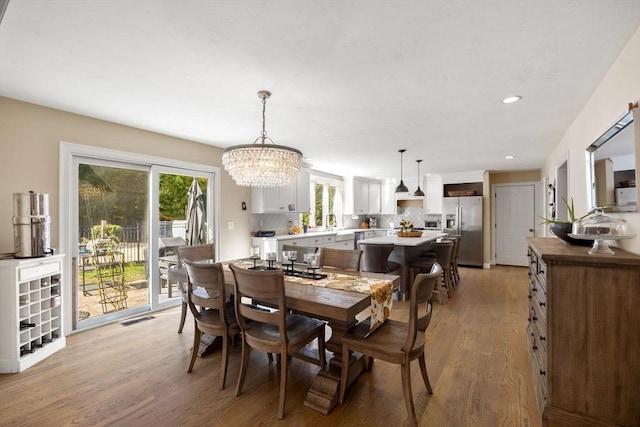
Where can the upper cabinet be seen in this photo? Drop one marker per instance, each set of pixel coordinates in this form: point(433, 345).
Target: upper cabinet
point(388, 198)
point(374, 198)
point(433, 194)
point(360, 196)
point(291, 198)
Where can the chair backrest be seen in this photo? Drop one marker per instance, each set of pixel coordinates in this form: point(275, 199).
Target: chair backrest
point(196, 253)
point(348, 259)
point(261, 285)
point(301, 250)
point(456, 247)
point(375, 256)
point(444, 252)
point(421, 293)
point(210, 277)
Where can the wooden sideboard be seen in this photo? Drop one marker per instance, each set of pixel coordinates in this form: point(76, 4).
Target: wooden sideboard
point(584, 334)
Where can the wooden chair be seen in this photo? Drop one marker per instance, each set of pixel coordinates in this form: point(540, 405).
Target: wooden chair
point(348, 259)
point(277, 331)
point(375, 258)
point(191, 253)
point(397, 342)
point(214, 316)
point(301, 250)
point(443, 251)
point(457, 239)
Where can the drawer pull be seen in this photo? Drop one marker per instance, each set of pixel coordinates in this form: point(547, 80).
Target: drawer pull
point(534, 289)
point(535, 347)
point(542, 338)
point(534, 318)
point(543, 304)
point(542, 372)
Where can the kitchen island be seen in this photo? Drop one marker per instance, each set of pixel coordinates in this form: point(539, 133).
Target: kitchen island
point(405, 251)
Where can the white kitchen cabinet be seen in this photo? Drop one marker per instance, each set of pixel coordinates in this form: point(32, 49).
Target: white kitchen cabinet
point(374, 198)
point(433, 197)
point(291, 198)
point(360, 196)
point(388, 198)
point(30, 311)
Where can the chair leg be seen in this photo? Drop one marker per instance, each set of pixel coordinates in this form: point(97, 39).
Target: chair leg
point(270, 357)
point(225, 359)
point(196, 345)
point(246, 352)
point(183, 316)
point(406, 389)
point(283, 385)
point(425, 376)
point(346, 356)
point(321, 353)
point(370, 363)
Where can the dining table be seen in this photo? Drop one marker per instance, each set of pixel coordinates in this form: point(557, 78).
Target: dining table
point(405, 251)
point(337, 296)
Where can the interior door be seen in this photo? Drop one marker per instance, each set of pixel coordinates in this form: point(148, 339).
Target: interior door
point(514, 222)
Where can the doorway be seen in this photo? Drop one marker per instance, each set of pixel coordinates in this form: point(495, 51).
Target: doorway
point(514, 222)
point(115, 214)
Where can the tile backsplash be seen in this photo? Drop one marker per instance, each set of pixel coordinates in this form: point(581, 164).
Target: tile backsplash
point(280, 222)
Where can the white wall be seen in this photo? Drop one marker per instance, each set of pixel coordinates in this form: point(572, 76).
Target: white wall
point(608, 102)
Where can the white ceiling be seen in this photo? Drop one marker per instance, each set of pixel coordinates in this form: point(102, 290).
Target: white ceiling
point(352, 81)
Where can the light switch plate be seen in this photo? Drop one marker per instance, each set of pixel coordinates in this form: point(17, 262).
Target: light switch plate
point(230, 225)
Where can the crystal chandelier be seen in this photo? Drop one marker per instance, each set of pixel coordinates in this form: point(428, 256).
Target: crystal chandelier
point(262, 164)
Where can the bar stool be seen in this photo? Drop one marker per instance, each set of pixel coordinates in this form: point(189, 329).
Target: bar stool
point(375, 258)
point(443, 251)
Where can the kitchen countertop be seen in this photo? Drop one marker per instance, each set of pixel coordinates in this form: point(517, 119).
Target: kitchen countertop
point(321, 233)
point(427, 236)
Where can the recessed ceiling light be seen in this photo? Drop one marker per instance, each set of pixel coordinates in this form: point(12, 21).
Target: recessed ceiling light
point(509, 157)
point(511, 99)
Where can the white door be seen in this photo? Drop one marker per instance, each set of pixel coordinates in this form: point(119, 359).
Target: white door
point(515, 221)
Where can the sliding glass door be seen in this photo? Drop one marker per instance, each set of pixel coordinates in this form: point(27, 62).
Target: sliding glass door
point(127, 216)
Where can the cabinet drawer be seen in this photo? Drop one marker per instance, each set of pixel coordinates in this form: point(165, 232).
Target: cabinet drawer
point(322, 240)
point(40, 270)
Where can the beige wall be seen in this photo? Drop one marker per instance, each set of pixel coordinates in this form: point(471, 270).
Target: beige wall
point(30, 137)
point(619, 86)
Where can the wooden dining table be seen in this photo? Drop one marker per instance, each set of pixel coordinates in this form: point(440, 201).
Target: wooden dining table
point(338, 307)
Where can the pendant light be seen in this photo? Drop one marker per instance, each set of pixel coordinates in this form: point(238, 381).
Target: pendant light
point(401, 188)
point(261, 164)
point(418, 192)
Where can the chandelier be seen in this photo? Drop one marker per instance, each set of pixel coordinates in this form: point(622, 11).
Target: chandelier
point(262, 164)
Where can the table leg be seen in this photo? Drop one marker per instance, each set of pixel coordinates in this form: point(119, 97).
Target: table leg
point(323, 393)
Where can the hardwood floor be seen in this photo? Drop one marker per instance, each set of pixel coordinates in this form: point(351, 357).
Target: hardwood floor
point(137, 375)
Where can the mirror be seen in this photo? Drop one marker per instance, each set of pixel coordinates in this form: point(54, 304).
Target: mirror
point(613, 166)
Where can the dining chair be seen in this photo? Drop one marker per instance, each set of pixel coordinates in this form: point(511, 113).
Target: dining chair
point(348, 259)
point(397, 342)
point(375, 258)
point(191, 253)
point(212, 314)
point(276, 331)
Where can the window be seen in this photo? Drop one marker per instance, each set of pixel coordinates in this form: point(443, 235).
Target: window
point(326, 195)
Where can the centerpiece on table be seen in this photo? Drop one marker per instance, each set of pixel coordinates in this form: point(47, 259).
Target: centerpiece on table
point(406, 229)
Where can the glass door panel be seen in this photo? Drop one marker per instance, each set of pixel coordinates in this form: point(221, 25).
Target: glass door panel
point(112, 259)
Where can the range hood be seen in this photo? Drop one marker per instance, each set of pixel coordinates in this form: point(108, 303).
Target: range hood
point(410, 202)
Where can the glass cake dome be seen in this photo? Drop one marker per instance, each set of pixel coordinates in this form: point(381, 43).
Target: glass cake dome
point(599, 227)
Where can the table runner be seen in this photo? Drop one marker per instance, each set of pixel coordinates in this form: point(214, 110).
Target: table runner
point(379, 290)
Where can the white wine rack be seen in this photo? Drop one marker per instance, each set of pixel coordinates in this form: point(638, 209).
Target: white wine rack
point(31, 311)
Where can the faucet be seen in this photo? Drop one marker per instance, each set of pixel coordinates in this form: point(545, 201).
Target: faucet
point(330, 222)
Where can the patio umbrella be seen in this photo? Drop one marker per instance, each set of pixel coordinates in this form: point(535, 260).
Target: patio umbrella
point(195, 234)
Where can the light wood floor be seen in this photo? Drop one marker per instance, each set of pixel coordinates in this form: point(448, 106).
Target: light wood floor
point(137, 375)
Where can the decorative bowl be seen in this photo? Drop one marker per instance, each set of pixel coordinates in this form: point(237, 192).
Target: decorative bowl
point(562, 231)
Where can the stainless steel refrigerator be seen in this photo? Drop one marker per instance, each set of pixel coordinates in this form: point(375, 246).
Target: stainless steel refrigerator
point(463, 216)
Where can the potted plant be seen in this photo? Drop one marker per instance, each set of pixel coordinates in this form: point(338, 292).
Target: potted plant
point(305, 222)
point(562, 227)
